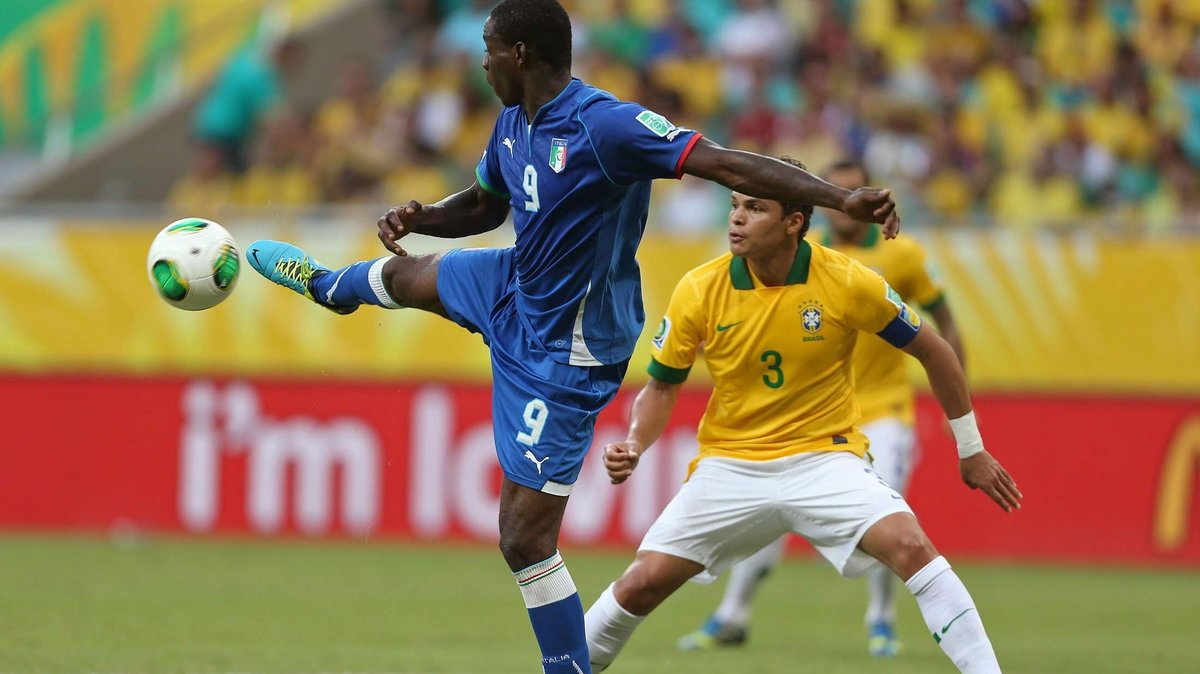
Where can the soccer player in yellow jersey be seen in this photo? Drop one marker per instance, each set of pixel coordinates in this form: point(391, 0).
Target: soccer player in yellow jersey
point(780, 451)
point(886, 400)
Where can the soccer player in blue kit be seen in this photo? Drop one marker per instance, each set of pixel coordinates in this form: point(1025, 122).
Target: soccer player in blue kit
point(561, 309)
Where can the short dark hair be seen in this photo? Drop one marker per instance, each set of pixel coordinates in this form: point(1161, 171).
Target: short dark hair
point(543, 25)
point(804, 209)
point(850, 165)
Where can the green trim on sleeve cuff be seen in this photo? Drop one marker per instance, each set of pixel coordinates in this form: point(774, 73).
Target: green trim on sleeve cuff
point(666, 373)
point(484, 184)
point(935, 304)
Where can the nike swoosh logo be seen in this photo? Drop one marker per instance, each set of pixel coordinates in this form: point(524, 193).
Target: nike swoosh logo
point(254, 254)
point(723, 328)
point(947, 627)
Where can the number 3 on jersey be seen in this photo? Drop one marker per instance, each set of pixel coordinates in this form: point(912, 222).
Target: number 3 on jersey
point(774, 376)
point(535, 419)
point(532, 204)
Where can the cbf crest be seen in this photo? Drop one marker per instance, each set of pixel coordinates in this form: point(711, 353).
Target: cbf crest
point(558, 154)
point(812, 319)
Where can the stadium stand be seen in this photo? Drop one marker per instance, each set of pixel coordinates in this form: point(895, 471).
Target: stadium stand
point(992, 112)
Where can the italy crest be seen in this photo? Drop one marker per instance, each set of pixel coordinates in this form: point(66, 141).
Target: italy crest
point(558, 154)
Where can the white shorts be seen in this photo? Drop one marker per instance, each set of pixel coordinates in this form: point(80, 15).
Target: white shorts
point(894, 449)
point(731, 508)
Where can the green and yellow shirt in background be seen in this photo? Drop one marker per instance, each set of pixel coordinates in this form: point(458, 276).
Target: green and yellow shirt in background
point(880, 375)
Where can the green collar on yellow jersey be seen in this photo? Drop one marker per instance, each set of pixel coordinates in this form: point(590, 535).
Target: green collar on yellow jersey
point(871, 240)
point(739, 270)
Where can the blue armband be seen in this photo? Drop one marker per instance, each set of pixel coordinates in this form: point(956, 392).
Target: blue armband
point(902, 329)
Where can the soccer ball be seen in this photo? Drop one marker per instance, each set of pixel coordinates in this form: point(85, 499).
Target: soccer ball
point(193, 264)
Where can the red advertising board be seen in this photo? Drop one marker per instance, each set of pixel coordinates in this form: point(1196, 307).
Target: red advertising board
point(1104, 478)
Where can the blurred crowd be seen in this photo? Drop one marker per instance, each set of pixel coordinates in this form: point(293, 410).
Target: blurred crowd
point(1011, 113)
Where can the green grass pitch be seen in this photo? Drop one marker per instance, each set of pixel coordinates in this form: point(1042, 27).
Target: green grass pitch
point(76, 604)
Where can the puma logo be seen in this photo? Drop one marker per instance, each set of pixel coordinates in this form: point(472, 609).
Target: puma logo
point(529, 455)
point(509, 143)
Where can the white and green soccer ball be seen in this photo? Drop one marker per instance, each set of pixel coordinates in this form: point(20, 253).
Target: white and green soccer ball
point(193, 264)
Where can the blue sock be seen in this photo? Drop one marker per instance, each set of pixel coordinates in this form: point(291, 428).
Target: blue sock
point(557, 616)
point(360, 283)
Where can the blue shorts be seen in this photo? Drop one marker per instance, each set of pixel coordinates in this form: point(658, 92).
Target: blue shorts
point(543, 412)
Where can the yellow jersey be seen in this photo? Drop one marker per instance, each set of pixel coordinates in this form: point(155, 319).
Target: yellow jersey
point(880, 376)
point(779, 356)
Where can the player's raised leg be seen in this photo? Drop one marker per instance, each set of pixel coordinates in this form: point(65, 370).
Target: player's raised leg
point(729, 624)
point(948, 609)
point(391, 282)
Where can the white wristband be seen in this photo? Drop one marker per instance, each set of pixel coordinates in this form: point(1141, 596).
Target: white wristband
point(966, 435)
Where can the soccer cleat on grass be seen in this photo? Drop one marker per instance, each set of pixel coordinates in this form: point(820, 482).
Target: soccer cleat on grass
point(713, 634)
point(882, 641)
point(290, 267)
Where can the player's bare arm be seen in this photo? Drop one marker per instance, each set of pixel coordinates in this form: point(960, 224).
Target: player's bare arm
point(651, 412)
point(979, 470)
point(471, 211)
point(947, 327)
point(768, 178)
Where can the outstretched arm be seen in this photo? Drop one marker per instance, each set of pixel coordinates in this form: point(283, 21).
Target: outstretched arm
point(978, 469)
point(651, 412)
point(768, 178)
point(471, 211)
point(948, 329)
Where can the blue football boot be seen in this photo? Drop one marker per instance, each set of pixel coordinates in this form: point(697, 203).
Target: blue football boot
point(713, 634)
point(290, 267)
point(882, 641)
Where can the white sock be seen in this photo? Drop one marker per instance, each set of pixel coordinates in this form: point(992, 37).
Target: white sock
point(951, 616)
point(881, 596)
point(744, 579)
point(546, 582)
point(609, 628)
point(375, 278)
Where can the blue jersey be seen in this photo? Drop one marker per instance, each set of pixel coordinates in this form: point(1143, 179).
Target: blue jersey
point(578, 180)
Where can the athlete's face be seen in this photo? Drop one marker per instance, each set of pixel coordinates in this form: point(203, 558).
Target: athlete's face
point(850, 179)
point(500, 62)
point(758, 226)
